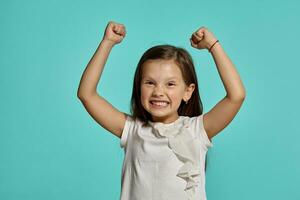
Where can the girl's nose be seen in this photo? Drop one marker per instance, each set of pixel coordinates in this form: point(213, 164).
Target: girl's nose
point(158, 91)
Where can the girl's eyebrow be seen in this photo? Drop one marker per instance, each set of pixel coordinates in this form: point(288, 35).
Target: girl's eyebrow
point(171, 77)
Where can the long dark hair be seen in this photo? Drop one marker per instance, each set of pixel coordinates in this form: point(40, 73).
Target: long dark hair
point(185, 62)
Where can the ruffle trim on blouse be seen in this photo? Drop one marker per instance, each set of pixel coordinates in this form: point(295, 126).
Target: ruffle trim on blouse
point(183, 147)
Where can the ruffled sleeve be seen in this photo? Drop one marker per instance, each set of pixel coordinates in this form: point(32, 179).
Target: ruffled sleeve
point(198, 125)
point(128, 127)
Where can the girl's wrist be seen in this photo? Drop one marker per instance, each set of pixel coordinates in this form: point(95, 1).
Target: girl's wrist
point(108, 42)
point(212, 45)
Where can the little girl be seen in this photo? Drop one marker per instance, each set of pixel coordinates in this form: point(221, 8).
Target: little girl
point(166, 137)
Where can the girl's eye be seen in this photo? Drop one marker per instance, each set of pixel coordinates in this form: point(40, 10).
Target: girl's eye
point(149, 83)
point(171, 84)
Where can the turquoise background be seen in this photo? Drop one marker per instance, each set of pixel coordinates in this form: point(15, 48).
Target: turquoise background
point(51, 148)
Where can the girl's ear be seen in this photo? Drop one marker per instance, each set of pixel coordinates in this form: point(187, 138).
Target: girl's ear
point(189, 91)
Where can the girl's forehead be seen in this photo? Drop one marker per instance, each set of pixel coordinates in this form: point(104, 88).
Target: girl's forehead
point(161, 68)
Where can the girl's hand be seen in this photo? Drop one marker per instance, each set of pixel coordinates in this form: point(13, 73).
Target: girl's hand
point(202, 39)
point(114, 32)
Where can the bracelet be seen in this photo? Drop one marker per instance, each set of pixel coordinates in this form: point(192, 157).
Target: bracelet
point(212, 46)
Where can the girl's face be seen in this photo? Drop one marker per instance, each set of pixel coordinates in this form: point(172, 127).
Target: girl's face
point(163, 89)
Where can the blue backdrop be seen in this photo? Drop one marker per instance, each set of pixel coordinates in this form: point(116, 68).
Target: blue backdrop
point(50, 147)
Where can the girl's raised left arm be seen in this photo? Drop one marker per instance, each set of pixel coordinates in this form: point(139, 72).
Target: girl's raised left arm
point(226, 109)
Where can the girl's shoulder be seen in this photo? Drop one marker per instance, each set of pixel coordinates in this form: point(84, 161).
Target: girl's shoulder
point(135, 121)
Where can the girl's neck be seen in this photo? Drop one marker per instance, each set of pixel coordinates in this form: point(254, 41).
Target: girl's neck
point(165, 119)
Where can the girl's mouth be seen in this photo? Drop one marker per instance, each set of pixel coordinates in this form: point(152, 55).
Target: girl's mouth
point(159, 104)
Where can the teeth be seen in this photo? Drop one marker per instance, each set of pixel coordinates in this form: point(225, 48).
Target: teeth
point(159, 103)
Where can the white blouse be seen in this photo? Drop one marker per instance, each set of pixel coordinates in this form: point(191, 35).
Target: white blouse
point(164, 161)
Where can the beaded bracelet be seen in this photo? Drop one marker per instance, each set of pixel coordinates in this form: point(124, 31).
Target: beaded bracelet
point(212, 46)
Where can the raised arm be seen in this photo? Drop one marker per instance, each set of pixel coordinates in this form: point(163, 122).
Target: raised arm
point(226, 109)
point(101, 110)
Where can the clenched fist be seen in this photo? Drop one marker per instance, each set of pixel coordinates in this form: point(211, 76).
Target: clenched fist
point(114, 32)
point(202, 39)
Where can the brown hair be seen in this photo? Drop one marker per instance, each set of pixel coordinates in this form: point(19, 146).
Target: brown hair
point(185, 62)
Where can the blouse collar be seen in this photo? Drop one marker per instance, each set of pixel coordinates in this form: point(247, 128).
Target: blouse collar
point(168, 130)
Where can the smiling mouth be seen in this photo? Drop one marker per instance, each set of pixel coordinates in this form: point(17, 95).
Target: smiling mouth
point(159, 103)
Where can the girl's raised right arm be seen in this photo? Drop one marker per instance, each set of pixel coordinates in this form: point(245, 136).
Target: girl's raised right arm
point(101, 110)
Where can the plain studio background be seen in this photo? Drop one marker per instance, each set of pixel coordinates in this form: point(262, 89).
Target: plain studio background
point(50, 148)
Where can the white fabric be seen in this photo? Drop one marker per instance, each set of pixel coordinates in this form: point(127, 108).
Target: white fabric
point(164, 161)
